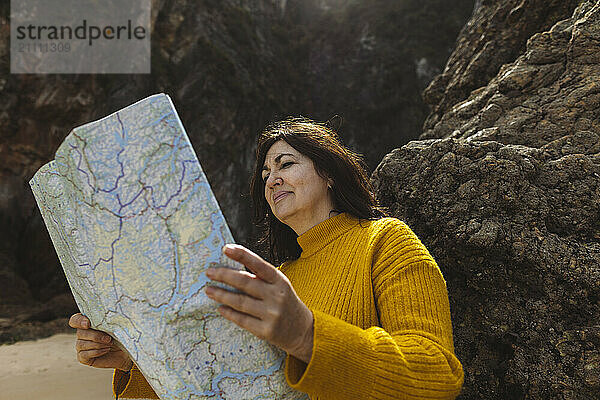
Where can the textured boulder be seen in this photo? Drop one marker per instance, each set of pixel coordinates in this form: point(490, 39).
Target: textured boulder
point(517, 235)
point(507, 199)
point(550, 91)
point(496, 34)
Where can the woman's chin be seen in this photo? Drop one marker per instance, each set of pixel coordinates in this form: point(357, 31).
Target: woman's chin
point(283, 215)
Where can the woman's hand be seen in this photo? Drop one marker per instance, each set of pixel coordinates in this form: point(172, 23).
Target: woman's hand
point(96, 348)
point(268, 306)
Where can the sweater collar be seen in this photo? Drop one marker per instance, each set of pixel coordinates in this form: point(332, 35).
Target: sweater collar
point(324, 232)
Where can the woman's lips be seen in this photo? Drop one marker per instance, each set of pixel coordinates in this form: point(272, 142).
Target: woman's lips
point(280, 196)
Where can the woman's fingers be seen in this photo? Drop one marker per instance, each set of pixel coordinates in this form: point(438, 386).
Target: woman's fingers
point(82, 324)
point(241, 280)
point(243, 320)
point(94, 336)
point(88, 357)
point(89, 345)
point(79, 321)
point(96, 348)
point(237, 301)
point(268, 306)
point(252, 261)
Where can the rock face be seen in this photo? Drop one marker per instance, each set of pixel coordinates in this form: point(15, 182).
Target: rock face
point(496, 34)
point(230, 68)
point(504, 190)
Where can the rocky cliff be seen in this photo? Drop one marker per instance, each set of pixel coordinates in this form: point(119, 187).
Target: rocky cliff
point(504, 189)
point(230, 67)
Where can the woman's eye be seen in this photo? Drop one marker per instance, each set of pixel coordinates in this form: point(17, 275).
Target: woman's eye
point(284, 165)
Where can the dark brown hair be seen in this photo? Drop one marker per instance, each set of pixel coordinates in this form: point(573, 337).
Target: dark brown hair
point(351, 189)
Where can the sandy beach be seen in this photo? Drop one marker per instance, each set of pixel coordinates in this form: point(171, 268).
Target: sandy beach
point(47, 369)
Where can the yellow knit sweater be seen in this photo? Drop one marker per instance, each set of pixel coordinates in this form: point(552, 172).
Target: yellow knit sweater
point(382, 326)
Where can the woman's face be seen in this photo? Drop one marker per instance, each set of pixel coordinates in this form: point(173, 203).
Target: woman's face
point(296, 193)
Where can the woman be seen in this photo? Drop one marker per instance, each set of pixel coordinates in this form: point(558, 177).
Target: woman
point(358, 304)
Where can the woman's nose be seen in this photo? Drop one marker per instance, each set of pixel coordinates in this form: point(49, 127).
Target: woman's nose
point(274, 179)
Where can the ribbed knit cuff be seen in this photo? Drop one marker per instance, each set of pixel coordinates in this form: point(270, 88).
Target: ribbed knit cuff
point(342, 364)
point(120, 381)
point(132, 385)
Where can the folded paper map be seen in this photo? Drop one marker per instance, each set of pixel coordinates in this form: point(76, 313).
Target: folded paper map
point(135, 224)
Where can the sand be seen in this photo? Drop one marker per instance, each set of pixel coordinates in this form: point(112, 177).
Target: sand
point(47, 369)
